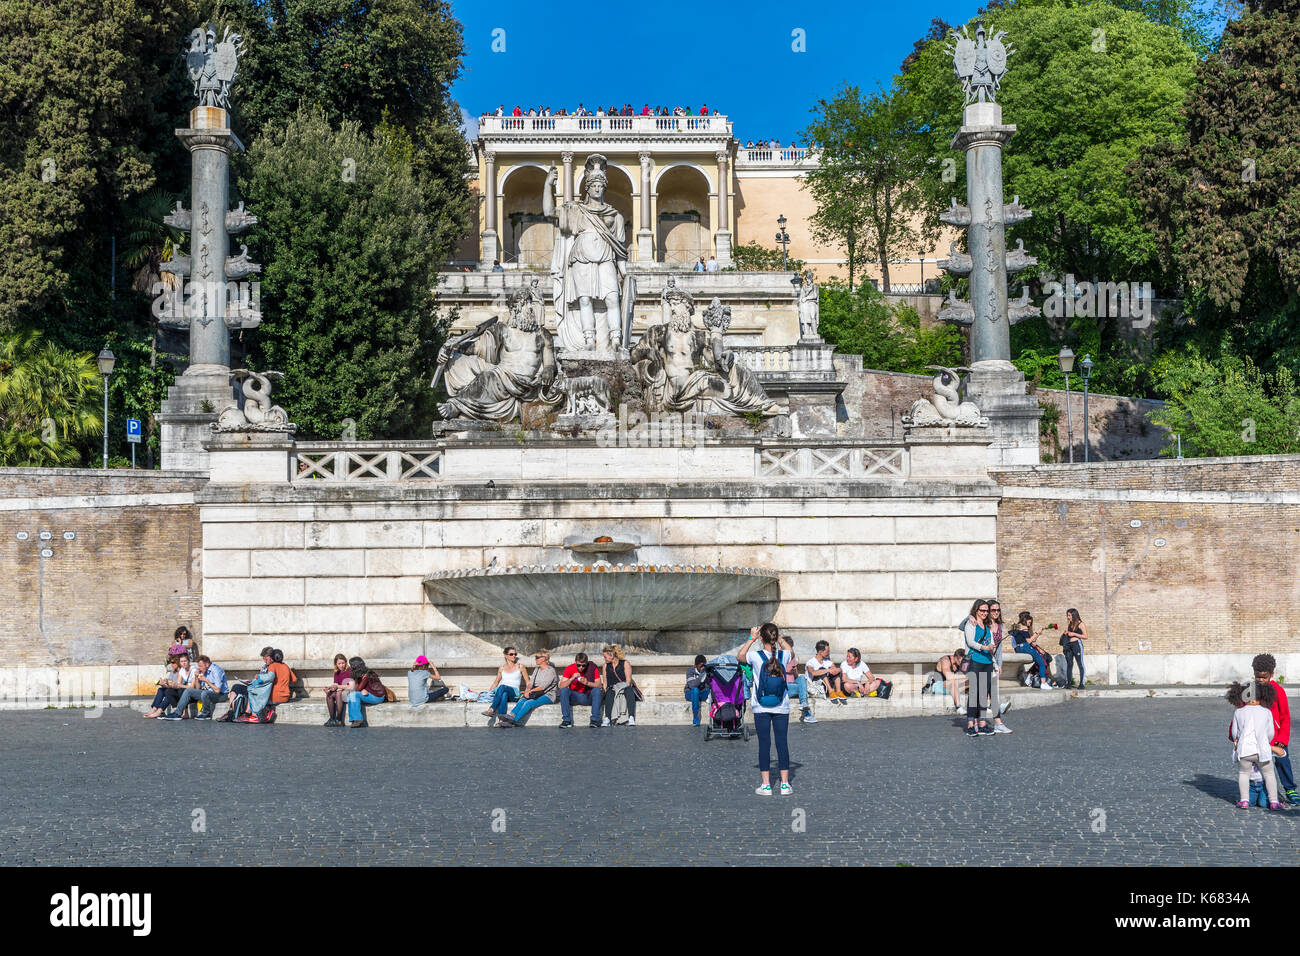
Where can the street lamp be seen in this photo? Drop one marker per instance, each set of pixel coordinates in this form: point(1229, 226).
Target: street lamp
point(1066, 361)
point(1087, 371)
point(783, 238)
point(106, 360)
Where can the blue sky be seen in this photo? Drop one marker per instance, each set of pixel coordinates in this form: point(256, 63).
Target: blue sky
point(735, 55)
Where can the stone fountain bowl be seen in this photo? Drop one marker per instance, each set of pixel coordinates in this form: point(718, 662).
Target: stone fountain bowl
point(575, 597)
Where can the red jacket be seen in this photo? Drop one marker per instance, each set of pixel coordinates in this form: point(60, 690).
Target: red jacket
point(1281, 717)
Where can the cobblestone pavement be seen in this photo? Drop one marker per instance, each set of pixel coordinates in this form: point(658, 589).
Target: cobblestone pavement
point(1156, 773)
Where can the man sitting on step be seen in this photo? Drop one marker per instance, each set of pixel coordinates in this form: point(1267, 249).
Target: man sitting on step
point(580, 684)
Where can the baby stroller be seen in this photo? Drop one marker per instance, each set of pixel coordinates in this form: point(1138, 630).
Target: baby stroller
point(726, 699)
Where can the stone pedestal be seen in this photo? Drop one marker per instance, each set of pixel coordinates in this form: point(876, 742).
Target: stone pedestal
point(249, 458)
point(998, 388)
point(491, 253)
point(645, 247)
point(187, 414)
point(723, 238)
point(813, 409)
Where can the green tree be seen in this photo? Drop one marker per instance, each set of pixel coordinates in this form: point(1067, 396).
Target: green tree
point(751, 257)
point(89, 94)
point(868, 179)
point(1224, 196)
point(1227, 407)
point(1090, 88)
point(346, 296)
point(389, 63)
point(889, 338)
point(48, 401)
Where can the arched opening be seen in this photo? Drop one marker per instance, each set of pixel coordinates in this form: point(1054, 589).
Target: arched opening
point(527, 237)
point(684, 226)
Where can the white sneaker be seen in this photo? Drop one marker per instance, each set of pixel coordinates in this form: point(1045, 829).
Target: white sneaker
point(1046, 686)
point(1002, 729)
point(631, 721)
point(1006, 706)
point(786, 789)
point(765, 790)
point(605, 722)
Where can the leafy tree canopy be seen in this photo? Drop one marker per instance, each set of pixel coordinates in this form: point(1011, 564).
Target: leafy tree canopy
point(890, 338)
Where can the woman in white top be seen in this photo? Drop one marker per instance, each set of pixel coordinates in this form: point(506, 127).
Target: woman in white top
point(169, 688)
point(771, 720)
point(511, 677)
point(858, 679)
point(1251, 732)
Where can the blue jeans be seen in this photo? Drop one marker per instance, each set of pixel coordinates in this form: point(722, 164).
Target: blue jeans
point(767, 726)
point(190, 695)
point(1285, 775)
point(1073, 652)
point(800, 686)
point(527, 706)
point(569, 697)
point(1038, 659)
point(502, 696)
point(356, 699)
point(697, 695)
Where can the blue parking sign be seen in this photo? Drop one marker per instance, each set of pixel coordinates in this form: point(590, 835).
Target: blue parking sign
point(133, 430)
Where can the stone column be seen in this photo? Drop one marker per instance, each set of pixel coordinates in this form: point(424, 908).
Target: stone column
point(200, 394)
point(491, 248)
point(567, 157)
point(645, 237)
point(723, 233)
point(982, 136)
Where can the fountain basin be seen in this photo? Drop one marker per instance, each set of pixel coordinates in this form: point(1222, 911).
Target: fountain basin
point(576, 597)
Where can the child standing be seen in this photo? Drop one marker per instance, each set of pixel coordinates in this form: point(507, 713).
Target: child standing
point(1250, 731)
point(1264, 665)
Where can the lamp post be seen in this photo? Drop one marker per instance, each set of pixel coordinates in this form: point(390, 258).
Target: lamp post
point(106, 360)
point(1086, 364)
point(1066, 361)
point(783, 238)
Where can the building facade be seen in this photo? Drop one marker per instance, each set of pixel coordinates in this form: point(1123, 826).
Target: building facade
point(686, 187)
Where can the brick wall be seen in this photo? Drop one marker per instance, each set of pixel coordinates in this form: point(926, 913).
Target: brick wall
point(117, 588)
point(1208, 565)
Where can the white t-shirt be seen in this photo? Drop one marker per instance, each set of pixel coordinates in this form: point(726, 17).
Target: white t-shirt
point(756, 663)
point(855, 673)
point(1252, 729)
point(813, 664)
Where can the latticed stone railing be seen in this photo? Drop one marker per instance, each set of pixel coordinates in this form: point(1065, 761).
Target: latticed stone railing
point(830, 461)
point(367, 462)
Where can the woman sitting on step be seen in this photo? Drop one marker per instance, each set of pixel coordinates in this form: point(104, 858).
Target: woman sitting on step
point(370, 690)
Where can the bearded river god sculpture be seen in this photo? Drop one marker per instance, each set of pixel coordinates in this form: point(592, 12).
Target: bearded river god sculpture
point(493, 370)
point(589, 262)
point(680, 367)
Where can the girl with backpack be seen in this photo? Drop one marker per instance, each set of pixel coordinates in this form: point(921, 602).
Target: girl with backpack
point(771, 704)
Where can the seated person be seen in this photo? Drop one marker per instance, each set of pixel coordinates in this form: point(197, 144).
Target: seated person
point(822, 669)
point(253, 695)
point(370, 690)
point(170, 687)
point(580, 684)
point(419, 688)
point(951, 668)
point(795, 681)
point(697, 688)
point(858, 679)
point(207, 685)
point(284, 676)
point(1025, 640)
point(543, 688)
point(336, 700)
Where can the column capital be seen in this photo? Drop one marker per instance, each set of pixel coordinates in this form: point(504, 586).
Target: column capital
point(645, 158)
point(567, 157)
point(490, 157)
point(722, 158)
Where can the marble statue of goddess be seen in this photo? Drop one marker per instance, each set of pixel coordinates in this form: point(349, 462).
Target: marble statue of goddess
point(590, 259)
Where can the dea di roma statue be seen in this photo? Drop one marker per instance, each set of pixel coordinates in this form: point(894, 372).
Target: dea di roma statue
point(588, 265)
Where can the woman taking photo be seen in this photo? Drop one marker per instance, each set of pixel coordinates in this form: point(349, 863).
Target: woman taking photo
point(1072, 645)
point(511, 678)
point(771, 705)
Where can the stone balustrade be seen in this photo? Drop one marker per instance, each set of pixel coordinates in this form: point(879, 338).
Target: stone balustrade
point(588, 125)
point(793, 359)
point(803, 461)
point(780, 156)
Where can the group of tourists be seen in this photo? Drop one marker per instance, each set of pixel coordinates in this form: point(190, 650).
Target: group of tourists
point(608, 689)
point(627, 109)
point(191, 686)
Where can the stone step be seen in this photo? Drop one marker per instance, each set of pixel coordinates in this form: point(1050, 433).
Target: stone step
point(649, 712)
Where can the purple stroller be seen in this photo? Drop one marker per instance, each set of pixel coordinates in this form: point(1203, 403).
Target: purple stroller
point(727, 694)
